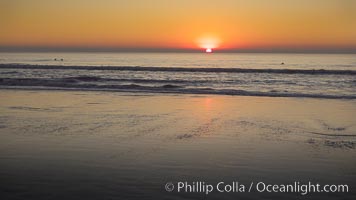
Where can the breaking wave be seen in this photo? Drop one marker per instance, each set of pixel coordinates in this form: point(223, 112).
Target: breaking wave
point(88, 83)
point(184, 69)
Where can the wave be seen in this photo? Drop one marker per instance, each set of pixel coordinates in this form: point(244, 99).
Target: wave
point(134, 80)
point(12, 72)
point(64, 84)
point(183, 69)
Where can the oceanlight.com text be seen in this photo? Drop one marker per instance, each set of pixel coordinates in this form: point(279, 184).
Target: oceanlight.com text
point(261, 187)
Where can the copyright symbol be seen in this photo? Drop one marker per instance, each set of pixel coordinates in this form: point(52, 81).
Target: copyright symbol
point(169, 187)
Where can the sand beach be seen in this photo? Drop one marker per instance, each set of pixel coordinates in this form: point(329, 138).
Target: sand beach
point(107, 145)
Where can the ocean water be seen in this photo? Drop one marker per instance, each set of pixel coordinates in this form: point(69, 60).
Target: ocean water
point(286, 75)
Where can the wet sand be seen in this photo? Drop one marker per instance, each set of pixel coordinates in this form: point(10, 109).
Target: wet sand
point(104, 145)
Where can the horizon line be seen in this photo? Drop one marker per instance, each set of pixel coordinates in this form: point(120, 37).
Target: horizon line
point(41, 49)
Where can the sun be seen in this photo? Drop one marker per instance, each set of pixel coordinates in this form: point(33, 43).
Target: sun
point(209, 50)
point(208, 43)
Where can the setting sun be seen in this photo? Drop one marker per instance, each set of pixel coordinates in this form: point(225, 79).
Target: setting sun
point(208, 43)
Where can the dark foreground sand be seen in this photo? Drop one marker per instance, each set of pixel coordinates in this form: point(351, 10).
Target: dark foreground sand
point(102, 145)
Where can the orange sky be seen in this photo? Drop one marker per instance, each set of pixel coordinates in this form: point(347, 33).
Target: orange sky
point(229, 24)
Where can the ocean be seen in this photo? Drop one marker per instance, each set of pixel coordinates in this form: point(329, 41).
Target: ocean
point(329, 76)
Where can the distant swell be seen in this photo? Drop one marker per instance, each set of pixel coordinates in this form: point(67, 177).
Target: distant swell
point(181, 69)
point(87, 84)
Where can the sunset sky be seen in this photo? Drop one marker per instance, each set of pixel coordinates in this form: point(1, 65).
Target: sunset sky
point(326, 25)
